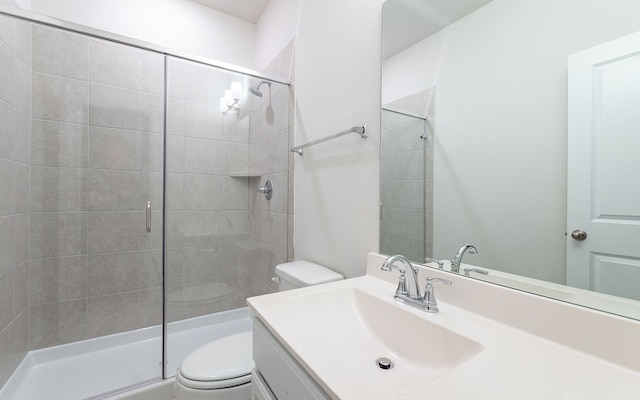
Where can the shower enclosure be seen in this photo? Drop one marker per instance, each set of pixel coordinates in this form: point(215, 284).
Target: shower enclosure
point(128, 205)
point(406, 185)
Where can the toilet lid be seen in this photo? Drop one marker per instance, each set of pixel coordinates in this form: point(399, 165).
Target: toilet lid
point(225, 358)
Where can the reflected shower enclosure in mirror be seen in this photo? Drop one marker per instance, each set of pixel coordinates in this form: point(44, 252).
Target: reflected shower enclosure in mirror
point(406, 177)
point(500, 70)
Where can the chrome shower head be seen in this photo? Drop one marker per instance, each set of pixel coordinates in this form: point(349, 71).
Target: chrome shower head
point(255, 90)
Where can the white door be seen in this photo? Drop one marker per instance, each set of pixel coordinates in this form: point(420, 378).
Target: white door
point(604, 168)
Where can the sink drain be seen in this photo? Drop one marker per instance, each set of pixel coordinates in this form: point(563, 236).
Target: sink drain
point(384, 363)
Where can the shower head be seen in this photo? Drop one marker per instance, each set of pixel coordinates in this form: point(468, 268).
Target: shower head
point(256, 88)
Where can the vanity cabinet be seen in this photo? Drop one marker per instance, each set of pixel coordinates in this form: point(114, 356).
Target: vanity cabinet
point(277, 375)
point(259, 388)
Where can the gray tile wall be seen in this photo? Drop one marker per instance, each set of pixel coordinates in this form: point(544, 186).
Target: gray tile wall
point(15, 169)
point(96, 159)
point(273, 127)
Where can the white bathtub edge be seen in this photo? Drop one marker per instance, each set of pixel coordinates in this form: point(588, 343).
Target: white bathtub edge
point(161, 390)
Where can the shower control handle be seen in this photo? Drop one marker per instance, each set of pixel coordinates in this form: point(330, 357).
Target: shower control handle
point(267, 190)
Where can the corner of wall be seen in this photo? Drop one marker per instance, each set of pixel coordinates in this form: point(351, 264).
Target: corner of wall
point(272, 229)
point(15, 45)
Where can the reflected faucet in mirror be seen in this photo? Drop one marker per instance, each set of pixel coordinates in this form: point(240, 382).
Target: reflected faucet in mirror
point(468, 271)
point(433, 260)
point(457, 260)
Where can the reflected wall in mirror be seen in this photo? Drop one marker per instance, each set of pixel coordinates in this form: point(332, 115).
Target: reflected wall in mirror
point(500, 69)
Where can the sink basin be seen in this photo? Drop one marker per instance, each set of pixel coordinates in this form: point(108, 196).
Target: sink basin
point(342, 331)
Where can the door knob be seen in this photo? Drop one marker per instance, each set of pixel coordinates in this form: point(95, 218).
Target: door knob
point(579, 234)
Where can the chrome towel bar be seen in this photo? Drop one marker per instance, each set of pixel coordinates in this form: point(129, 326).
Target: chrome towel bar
point(360, 130)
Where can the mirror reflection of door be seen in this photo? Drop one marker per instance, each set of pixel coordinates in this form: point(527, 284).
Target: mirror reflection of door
point(406, 177)
point(604, 168)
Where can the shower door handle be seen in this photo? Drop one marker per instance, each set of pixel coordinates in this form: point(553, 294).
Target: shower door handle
point(148, 216)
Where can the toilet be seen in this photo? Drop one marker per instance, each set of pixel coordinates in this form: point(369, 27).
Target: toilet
point(221, 369)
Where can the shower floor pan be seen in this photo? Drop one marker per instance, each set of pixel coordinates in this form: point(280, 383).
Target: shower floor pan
point(92, 368)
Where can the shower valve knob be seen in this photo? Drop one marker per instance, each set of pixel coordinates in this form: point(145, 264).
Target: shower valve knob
point(267, 190)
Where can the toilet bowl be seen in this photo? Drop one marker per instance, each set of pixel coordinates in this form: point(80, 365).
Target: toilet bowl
point(221, 370)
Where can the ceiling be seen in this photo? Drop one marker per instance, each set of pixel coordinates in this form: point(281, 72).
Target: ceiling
point(248, 10)
point(406, 22)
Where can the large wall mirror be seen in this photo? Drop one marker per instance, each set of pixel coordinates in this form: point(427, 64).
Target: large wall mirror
point(486, 93)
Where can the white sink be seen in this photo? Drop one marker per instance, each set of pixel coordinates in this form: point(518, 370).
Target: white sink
point(474, 348)
point(353, 329)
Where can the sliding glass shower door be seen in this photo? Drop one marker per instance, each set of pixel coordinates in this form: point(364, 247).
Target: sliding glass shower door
point(223, 238)
point(208, 251)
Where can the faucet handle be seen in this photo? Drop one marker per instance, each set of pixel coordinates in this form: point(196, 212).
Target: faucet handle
point(430, 281)
point(429, 298)
point(467, 271)
point(433, 260)
point(402, 284)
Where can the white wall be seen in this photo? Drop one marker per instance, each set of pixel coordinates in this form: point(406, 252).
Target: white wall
point(24, 4)
point(501, 115)
point(275, 29)
point(337, 86)
point(176, 24)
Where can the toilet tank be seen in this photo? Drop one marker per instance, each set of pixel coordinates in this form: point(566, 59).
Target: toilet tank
point(303, 273)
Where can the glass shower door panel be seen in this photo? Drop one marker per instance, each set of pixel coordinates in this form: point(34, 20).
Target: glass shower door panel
point(97, 198)
point(219, 228)
point(208, 253)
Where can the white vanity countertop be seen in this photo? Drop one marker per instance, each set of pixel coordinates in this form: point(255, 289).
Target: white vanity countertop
point(511, 363)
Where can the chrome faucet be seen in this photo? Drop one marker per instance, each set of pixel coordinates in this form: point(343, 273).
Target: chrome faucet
point(455, 263)
point(426, 302)
point(402, 285)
